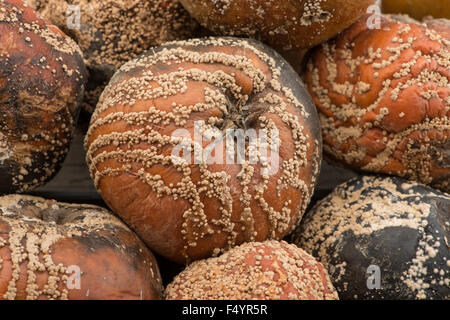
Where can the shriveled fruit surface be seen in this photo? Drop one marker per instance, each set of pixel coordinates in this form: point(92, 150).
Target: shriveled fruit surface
point(42, 78)
point(383, 97)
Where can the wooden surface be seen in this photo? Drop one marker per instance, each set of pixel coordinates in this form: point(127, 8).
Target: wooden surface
point(73, 184)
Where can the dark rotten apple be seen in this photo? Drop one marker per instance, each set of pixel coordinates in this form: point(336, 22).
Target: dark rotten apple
point(112, 32)
point(400, 227)
point(42, 78)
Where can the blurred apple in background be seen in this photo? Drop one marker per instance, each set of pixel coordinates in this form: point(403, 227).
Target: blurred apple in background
point(418, 8)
